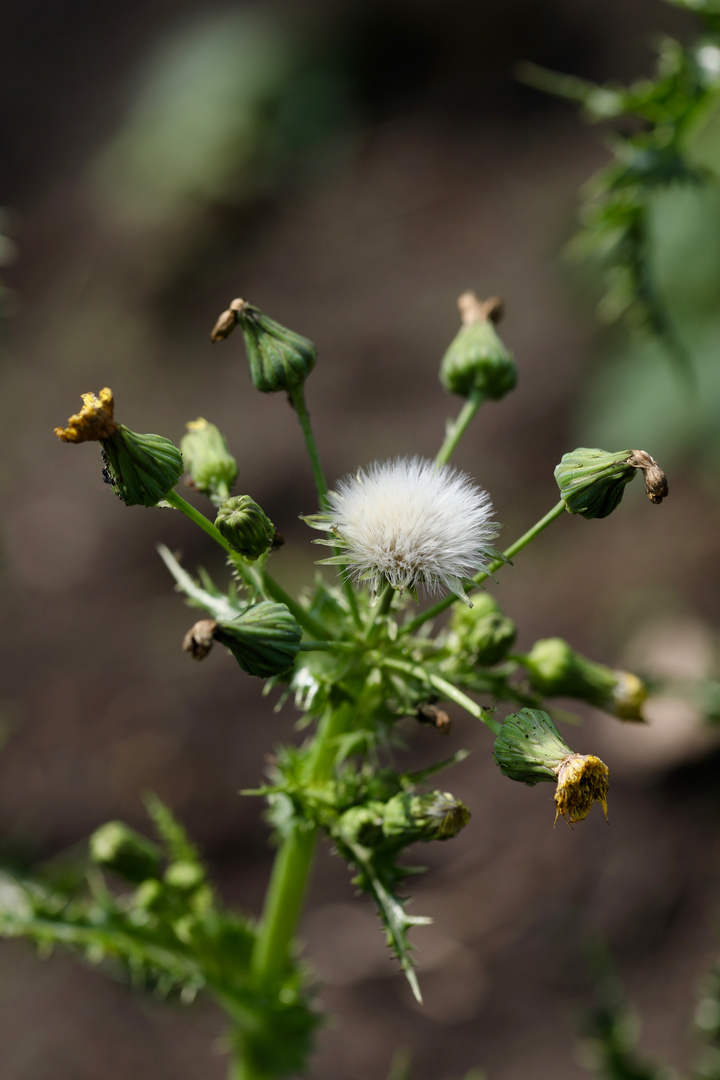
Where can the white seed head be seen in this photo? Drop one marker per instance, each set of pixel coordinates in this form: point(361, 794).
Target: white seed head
point(410, 521)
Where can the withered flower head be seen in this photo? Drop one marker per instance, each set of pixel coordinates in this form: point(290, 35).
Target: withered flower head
point(94, 422)
point(582, 780)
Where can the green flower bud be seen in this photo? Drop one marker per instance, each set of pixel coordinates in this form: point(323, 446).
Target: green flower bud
point(184, 876)
point(140, 468)
point(245, 526)
point(279, 358)
point(483, 632)
point(477, 360)
point(529, 749)
point(212, 467)
point(264, 639)
point(592, 482)
point(117, 847)
point(556, 670)
point(434, 816)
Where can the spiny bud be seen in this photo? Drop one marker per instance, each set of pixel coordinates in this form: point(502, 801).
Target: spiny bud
point(140, 468)
point(279, 358)
point(477, 360)
point(436, 815)
point(264, 639)
point(245, 526)
point(592, 482)
point(483, 632)
point(529, 748)
point(212, 467)
point(117, 847)
point(556, 670)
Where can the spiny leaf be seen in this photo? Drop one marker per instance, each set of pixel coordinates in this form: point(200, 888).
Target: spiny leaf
point(206, 596)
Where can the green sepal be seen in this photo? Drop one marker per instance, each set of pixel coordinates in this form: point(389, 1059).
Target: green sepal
point(141, 468)
point(264, 639)
point(279, 358)
point(592, 482)
point(529, 747)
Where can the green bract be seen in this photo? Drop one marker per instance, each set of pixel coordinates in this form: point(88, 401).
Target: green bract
point(477, 361)
point(142, 469)
point(529, 747)
point(592, 482)
point(211, 465)
point(264, 639)
point(279, 358)
point(245, 526)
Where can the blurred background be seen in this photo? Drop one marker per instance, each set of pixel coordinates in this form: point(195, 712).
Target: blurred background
point(350, 168)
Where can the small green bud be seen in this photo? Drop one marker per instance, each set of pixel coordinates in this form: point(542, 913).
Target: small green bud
point(279, 358)
point(483, 632)
point(556, 670)
point(149, 895)
point(264, 639)
point(184, 876)
point(434, 816)
point(117, 847)
point(529, 748)
point(212, 467)
point(592, 482)
point(477, 360)
point(362, 825)
point(245, 526)
point(140, 468)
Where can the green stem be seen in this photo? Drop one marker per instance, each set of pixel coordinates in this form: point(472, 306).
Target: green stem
point(297, 397)
point(288, 883)
point(524, 540)
point(448, 691)
point(327, 646)
point(458, 428)
point(284, 901)
point(381, 608)
point(304, 618)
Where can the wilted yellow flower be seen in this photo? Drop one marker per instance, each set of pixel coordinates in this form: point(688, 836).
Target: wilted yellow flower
point(94, 422)
point(582, 780)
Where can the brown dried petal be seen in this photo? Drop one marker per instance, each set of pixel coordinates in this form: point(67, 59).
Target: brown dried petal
point(656, 485)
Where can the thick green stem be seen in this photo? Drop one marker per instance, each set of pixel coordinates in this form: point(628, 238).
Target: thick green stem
point(524, 540)
point(286, 892)
point(284, 901)
point(458, 428)
point(448, 691)
point(327, 646)
point(297, 397)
